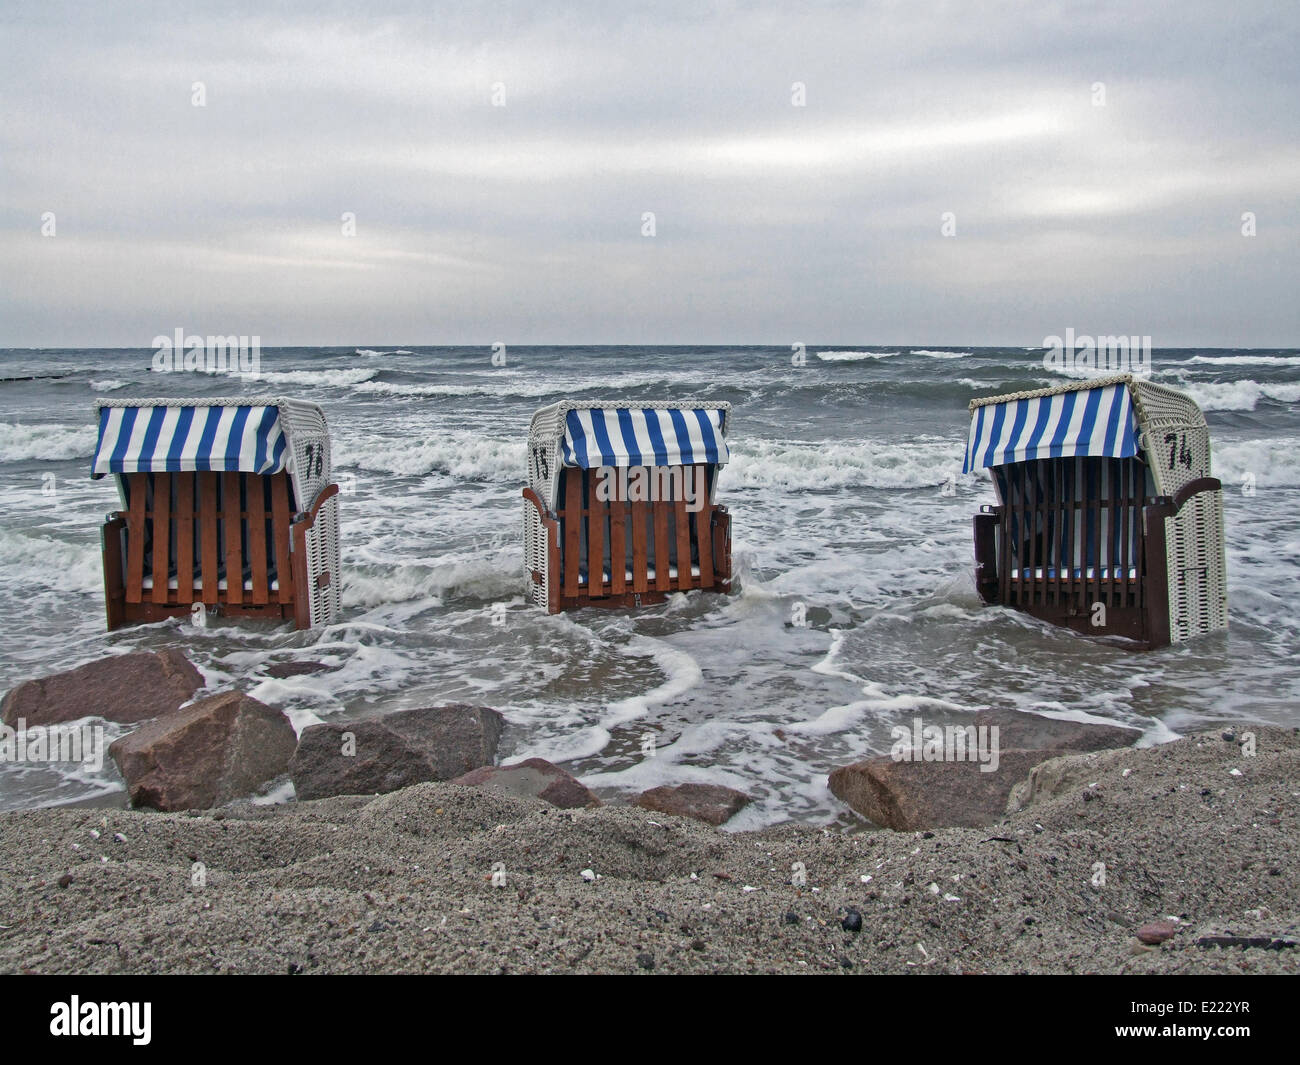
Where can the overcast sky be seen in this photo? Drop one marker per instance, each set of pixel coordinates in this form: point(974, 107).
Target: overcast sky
point(773, 223)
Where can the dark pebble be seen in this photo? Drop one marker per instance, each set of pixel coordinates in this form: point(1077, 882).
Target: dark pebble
point(646, 961)
point(852, 921)
point(792, 918)
point(65, 880)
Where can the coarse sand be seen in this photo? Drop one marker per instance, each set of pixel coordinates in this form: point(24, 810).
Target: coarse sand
point(408, 882)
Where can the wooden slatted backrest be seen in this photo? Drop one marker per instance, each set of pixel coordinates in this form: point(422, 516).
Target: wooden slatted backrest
point(1071, 531)
point(195, 523)
point(617, 537)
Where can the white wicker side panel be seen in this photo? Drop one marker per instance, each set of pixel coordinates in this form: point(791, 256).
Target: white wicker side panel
point(536, 556)
point(1177, 443)
point(311, 466)
point(544, 435)
point(323, 557)
point(1198, 602)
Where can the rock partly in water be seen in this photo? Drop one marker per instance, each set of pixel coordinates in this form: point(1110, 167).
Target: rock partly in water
point(1020, 730)
point(710, 803)
point(386, 753)
point(221, 748)
point(123, 688)
point(533, 778)
point(295, 668)
point(913, 795)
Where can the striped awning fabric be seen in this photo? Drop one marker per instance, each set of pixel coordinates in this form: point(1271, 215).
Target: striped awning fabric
point(598, 437)
point(159, 439)
point(1082, 422)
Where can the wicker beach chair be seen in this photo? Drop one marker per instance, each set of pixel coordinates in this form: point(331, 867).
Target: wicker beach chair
point(591, 537)
point(1108, 520)
point(226, 503)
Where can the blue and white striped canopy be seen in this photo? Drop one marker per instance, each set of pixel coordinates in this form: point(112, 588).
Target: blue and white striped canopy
point(159, 439)
point(643, 437)
point(1082, 422)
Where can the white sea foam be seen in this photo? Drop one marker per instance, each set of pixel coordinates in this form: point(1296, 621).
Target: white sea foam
point(110, 385)
point(371, 353)
point(867, 464)
point(1273, 463)
point(854, 356)
point(327, 378)
point(1239, 395)
point(462, 454)
point(1246, 360)
point(20, 443)
point(943, 354)
point(682, 673)
point(392, 388)
point(487, 579)
point(62, 566)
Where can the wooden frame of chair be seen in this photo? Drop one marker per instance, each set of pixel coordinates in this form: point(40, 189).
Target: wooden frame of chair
point(636, 532)
point(223, 526)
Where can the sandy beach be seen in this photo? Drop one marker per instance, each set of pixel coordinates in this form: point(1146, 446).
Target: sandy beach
point(403, 882)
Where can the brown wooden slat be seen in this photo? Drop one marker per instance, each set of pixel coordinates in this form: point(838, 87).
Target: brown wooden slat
point(185, 537)
point(208, 559)
point(596, 511)
point(1005, 592)
point(1130, 534)
point(230, 514)
point(1097, 596)
point(617, 547)
point(572, 530)
point(663, 582)
point(1023, 590)
point(257, 536)
point(114, 589)
point(704, 544)
point(1029, 534)
point(1051, 542)
point(683, 527)
point(640, 554)
point(162, 524)
point(136, 486)
point(280, 533)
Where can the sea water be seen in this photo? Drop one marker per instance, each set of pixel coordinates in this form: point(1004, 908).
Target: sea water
point(854, 608)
